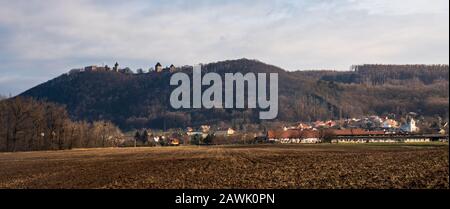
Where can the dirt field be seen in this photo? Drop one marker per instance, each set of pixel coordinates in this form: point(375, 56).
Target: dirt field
point(262, 166)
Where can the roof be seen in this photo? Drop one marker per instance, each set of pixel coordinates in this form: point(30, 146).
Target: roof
point(221, 133)
point(310, 134)
point(358, 131)
point(290, 134)
point(271, 134)
point(293, 134)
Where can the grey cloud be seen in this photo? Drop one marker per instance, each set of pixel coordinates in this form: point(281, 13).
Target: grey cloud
point(291, 34)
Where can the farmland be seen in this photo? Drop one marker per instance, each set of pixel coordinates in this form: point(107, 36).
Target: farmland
point(255, 166)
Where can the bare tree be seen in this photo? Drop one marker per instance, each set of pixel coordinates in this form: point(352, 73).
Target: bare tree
point(27, 124)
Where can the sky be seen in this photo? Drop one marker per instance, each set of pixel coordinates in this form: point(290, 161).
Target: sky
point(42, 39)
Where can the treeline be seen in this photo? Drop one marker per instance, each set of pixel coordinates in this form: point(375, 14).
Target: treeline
point(29, 125)
point(382, 74)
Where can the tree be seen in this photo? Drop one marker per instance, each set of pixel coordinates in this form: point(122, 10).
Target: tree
point(208, 139)
point(127, 70)
point(27, 124)
point(19, 111)
point(327, 135)
point(137, 136)
point(116, 67)
point(195, 139)
point(144, 136)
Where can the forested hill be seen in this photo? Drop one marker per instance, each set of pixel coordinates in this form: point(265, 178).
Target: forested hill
point(142, 100)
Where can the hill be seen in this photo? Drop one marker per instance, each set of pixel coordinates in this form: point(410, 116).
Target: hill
point(142, 100)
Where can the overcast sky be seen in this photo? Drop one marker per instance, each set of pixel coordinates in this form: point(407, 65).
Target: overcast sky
point(41, 39)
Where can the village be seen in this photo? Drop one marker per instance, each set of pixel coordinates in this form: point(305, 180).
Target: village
point(389, 128)
point(372, 129)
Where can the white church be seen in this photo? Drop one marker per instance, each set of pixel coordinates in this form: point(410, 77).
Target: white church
point(410, 126)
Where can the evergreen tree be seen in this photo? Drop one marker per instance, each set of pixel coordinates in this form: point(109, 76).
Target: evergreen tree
point(144, 136)
point(137, 136)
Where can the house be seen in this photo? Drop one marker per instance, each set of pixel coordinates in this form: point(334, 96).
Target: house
point(231, 131)
point(324, 124)
point(192, 133)
point(159, 138)
point(158, 67)
point(319, 124)
point(375, 119)
point(294, 136)
point(310, 137)
point(303, 126)
point(94, 68)
point(174, 142)
point(172, 68)
point(205, 128)
point(76, 70)
point(228, 132)
point(444, 129)
point(156, 138)
point(389, 123)
point(271, 135)
point(410, 126)
point(330, 123)
point(220, 133)
point(416, 140)
point(285, 128)
point(356, 132)
point(90, 68)
point(356, 136)
point(126, 70)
